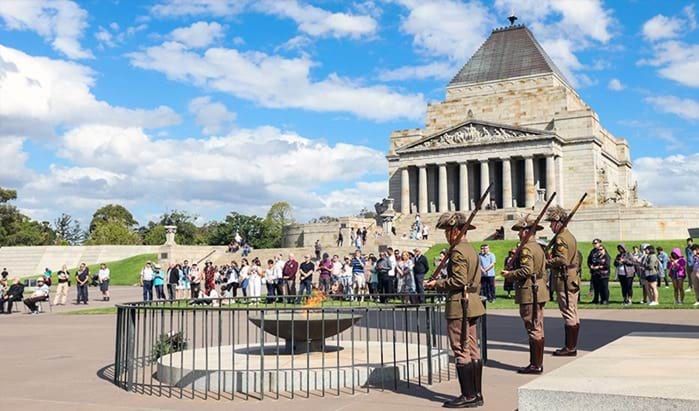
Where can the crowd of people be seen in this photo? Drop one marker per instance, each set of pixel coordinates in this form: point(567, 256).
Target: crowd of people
point(355, 276)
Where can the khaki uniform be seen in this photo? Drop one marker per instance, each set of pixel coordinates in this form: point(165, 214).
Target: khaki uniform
point(532, 262)
point(564, 259)
point(463, 270)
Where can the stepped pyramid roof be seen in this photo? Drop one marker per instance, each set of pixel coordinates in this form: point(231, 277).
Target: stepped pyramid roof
point(508, 52)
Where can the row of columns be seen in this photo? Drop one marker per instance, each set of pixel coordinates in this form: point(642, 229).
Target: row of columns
point(464, 203)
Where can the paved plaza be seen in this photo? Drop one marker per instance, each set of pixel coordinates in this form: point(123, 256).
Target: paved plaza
point(63, 362)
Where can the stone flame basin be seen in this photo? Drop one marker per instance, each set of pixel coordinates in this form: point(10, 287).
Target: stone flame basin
point(305, 330)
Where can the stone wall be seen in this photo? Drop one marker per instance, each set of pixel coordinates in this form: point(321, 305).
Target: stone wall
point(305, 235)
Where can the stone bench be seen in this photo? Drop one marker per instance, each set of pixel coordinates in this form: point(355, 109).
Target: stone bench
point(640, 371)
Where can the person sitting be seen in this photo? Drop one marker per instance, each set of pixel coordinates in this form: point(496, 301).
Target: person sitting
point(12, 294)
point(41, 293)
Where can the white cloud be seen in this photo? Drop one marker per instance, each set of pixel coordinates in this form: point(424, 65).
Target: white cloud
point(683, 107)
point(199, 34)
point(112, 36)
point(214, 117)
point(61, 22)
point(615, 84)
point(219, 8)
point(446, 28)
point(654, 174)
point(49, 93)
point(277, 82)
point(13, 159)
point(318, 22)
point(126, 165)
point(661, 27)
point(439, 70)
point(677, 60)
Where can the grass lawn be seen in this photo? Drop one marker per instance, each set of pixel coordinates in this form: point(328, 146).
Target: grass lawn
point(501, 247)
point(122, 272)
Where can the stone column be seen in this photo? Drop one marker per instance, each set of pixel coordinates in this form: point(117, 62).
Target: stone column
point(422, 190)
point(463, 187)
point(506, 183)
point(529, 190)
point(485, 180)
point(443, 201)
point(559, 180)
point(550, 177)
point(404, 191)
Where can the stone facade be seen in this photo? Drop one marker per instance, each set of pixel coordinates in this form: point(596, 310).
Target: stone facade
point(553, 141)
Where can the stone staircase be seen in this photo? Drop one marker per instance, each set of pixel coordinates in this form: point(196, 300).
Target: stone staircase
point(487, 221)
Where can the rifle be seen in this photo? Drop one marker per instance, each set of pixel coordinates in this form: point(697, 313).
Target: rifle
point(553, 242)
point(464, 293)
point(515, 257)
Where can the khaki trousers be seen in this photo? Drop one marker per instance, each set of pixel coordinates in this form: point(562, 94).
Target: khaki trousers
point(534, 326)
point(570, 313)
point(464, 355)
point(61, 294)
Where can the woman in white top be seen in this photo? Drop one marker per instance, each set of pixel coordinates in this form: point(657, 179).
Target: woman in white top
point(103, 278)
point(346, 277)
point(255, 286)
point(269, 279)
point(337, 268)
point(243, 277)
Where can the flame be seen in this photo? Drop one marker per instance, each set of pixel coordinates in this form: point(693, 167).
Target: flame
point(316, 299)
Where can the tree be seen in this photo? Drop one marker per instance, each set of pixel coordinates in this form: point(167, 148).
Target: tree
point(324, 220)
point(68, 230)
point(365, 213)
point(255, 230)
point(278, 216)
point(18, 229)
point(154, 235)
point(113, 232)
point(113, 213)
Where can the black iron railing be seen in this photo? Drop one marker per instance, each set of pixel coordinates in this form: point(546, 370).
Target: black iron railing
point(242, 348)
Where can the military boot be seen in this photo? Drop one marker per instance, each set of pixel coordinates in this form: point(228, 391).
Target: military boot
point(478, 365)
point(468, 398)
point(571, 342)
point(536, 352)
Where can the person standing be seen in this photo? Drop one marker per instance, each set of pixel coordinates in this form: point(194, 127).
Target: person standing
point(340, 239)
point(664, 262)
point(325, 267)
point(419, 270)
point(487, 267)
point(651, 266)
point(318, 248)
point(689, 257)
point(625, 264)
point(243, 276)
point(173, 278)
point(529, 278)
point(695, 273)
point(509, 284)
point(593, 261)
point(393, 261)
point(462, 282)
point(63, 286)
point(564, 263)
point(82, 279)
point(383, 267)
point(306, 276)
point(103, 279)
point(677, 273)
point(159, 282)
point(289, 270)
point(603, 272)
point(147, 281)
point(270, 282)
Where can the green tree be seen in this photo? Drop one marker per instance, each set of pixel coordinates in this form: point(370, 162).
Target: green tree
point(68, 230)
point(18, 229)
point(278, 216)
point(113, 213)
point(253, 229)
point(113, 232)
point(154, 235)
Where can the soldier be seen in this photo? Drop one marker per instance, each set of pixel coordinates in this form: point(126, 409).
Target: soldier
point(530, 269)
point(463, 281)
point(564, 263)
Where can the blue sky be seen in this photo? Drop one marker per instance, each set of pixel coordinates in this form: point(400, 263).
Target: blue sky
point(211, 106)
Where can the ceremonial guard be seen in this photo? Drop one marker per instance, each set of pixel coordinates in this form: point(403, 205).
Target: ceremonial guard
point(564, 263)
point(531, 294)
point(462, 283)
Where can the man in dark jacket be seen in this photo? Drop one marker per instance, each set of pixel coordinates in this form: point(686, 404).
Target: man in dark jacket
point(14, 293)
point(419, 270)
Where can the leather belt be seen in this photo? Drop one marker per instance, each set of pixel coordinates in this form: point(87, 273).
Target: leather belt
point(471, 289)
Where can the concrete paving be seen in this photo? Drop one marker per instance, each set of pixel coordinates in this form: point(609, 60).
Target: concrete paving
point(63, 362)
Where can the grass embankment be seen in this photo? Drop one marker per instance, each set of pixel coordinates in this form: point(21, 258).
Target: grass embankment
point(122, 272)
point(501, 247)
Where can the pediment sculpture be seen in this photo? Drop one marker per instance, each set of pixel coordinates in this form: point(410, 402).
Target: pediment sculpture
point(473, 132)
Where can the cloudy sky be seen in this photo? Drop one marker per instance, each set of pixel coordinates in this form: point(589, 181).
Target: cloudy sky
point(211, 106)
